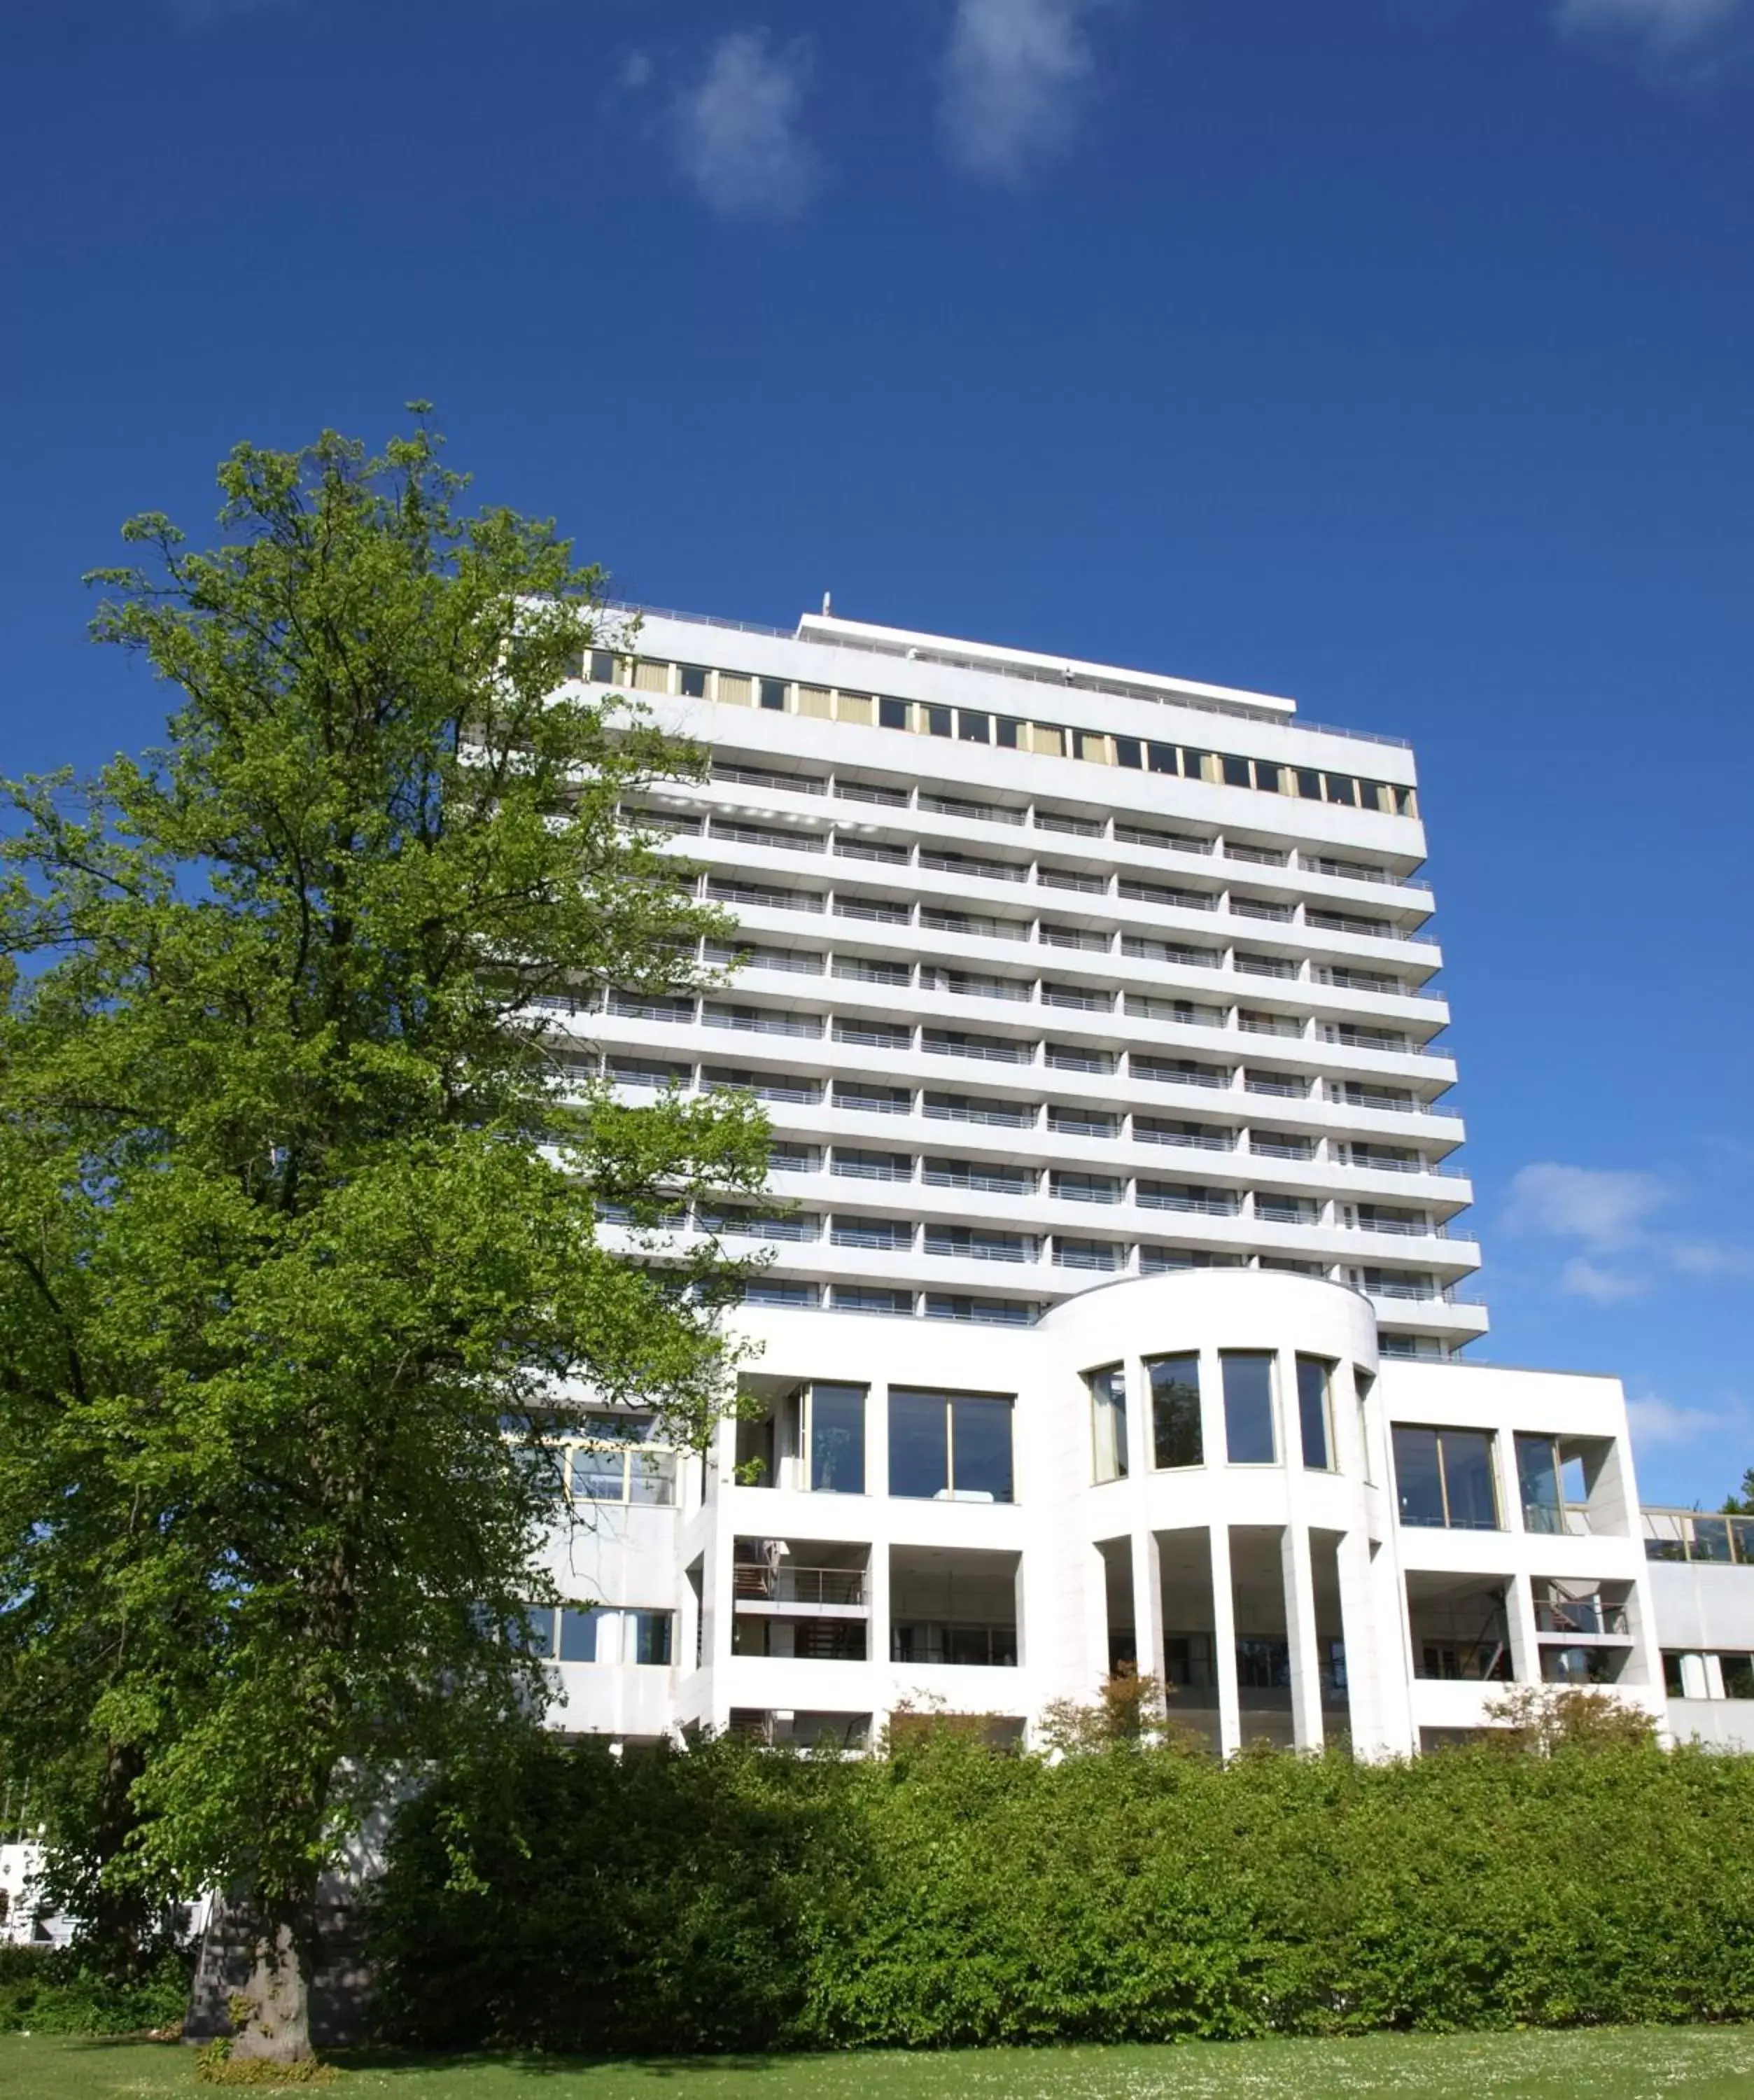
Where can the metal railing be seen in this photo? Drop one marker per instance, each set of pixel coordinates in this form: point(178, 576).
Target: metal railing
point(1481, 1662)
point(789, 1584)
point(1588, 1617)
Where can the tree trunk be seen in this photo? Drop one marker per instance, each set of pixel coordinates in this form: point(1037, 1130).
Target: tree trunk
point(271, 2014)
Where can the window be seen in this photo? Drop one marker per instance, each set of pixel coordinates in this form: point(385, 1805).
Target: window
point(949, 1447)
point(1739, 1675)
point(582, 1627)
point(1176, 1438)
point(1249, 1434)
point(693, 681)
point(973, 727)
point(617, 1466)
point(647, 1637)
point(1108, 1421)
point(1443, 1478)
point(772, 693)
point(602, 666)
point(837, 1439)
point(1674, 1683)
point(1314, 1414)
point(1554, 1485)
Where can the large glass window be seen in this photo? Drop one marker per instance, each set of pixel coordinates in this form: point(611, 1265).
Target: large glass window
point(1108, 1422)
point(1249, 1434)
point(837, 1439)
point(618, 1466)
point(647, 1636)
point(1176, 1438)
point(1314, 1415)
point(1553, 1483)
point(953, 1446)
point(1443, 1478)
point(580, 1631)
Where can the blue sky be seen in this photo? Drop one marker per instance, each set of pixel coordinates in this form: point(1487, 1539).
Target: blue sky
point(1394, 354)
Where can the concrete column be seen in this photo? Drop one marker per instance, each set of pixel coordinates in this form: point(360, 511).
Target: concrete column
point(1375, 1663)
point(877, 1603)
point(1300, 1637)
point(1525, 1645)
point(1225, 1643)
point(1092, 1593)
point(1147, 1603)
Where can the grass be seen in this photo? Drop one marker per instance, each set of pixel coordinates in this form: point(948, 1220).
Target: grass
point(1613, 2063)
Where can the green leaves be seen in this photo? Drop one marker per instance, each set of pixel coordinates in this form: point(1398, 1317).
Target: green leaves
point(293, 1211)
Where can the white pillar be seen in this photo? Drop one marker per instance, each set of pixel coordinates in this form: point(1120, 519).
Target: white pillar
point(1225, 1643)
point(1147, 1603)
point(1525, 1644)
point(1300, 1636)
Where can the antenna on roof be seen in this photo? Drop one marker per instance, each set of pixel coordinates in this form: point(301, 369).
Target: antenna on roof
point(828, 605)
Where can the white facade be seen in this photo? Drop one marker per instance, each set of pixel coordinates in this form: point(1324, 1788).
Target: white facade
point(1118, 1313)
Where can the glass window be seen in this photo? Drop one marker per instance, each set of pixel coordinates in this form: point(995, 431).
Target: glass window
point(950, 1444)
point(1176, 1438)
point(1309, 785)
point(1108, 1422)
point(599, 1475)
point(837, 1439)
point(1362, 1383)
point(772, 693)
point(892, 714)
point(919, 1453)
point(937, 722)
point(1161, 757)
point(1193, 764)
point(1444, 1479)
point(1711, 1539)
point(1739, 1675)
point(1673, 1683)
point(1236, 773)
point(1127, 753)
point(1007, 732)
point(693, 681)
point(651, 1478)
point(602, 666)
point(647, 1637)
point(581, 1629)
point(1248, 1437)
point(980, 1447)
point(973, 727)
point(1313, 1379)
point(1538, 1477)
point(533, 1631)
point(1419, 1476)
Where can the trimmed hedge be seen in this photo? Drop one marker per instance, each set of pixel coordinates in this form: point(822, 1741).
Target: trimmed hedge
point(728, 1897)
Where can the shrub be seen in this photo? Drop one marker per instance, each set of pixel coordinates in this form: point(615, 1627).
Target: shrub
point(729, 1898)
point(64, 1989)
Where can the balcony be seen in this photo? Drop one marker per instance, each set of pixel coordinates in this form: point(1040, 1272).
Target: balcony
point(788, 1584)
point(1707, 1541)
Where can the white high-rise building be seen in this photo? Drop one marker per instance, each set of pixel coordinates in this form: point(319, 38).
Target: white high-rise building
point(1116, 1313)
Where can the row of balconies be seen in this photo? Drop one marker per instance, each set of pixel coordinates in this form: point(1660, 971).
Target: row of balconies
point(933, 818)
point(937, 854)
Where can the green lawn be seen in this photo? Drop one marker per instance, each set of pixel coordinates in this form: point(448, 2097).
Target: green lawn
point(1623, 2064)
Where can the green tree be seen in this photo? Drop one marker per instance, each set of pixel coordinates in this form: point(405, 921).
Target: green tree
point(297, 1265)
point(1742, 1504)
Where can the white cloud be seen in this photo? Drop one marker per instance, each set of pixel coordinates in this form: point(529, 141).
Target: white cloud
point(1711, 1258)
point(1660, 25)
point(1656, 1421)
point(737, 131)
point(1582, 1278)
point(1606, 1208)
point(1011, 79)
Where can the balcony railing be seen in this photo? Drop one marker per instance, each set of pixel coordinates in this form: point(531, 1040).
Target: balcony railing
point(787, 1585)
point(1587, 1617)
point(1481, 1661)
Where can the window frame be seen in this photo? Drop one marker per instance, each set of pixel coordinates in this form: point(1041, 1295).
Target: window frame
point(1326, 1367)
point(1270, 1357)
point(1158, 1465)
point(1108, 1409)
point(1438, 1432)
point(949, 1397)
